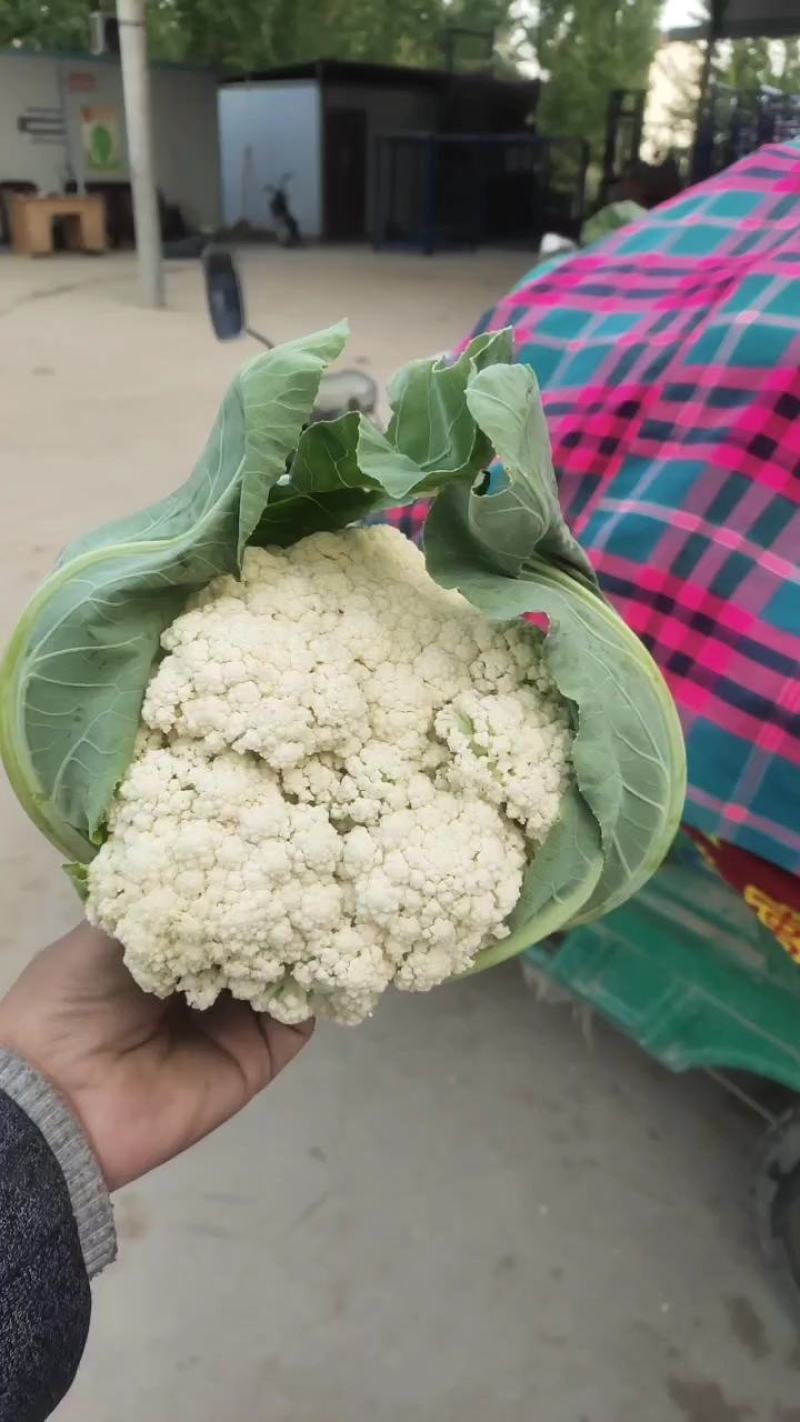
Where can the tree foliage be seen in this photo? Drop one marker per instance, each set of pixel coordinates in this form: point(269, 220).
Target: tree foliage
point(587, 48)
point(750, 64)
point(55, 24)
point(255, 34)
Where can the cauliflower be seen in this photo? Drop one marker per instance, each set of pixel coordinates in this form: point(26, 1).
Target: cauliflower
point(315, 769)
point(342, 773)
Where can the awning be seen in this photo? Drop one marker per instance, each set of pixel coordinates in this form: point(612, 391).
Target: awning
point(746, 19)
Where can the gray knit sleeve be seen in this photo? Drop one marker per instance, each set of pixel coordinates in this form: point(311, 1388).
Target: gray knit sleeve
point(89, 1197)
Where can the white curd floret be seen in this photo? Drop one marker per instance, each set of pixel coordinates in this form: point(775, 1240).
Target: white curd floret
point(342, 773)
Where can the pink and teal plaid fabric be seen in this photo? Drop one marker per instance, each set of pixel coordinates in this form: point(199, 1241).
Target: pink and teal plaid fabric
point(669, 357)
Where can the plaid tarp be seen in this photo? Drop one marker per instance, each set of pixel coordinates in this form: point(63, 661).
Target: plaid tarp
point(669, 357)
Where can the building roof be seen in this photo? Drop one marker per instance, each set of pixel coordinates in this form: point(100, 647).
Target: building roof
point(746, 19)
point(76, 56)
point(346, 71)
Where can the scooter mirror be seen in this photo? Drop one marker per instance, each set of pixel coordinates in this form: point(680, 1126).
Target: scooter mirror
point(340, 391)
point(223, 293)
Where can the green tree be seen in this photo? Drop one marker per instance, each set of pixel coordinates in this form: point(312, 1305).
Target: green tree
point(750, 64)
point(255, 34)
point(585, 49)
point(56, 24)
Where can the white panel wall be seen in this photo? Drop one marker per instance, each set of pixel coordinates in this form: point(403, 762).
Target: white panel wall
point(267, 130)
point(187, 141)
point(27, 82)
point(184, 120)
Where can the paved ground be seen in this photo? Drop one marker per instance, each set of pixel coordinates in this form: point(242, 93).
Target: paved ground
point(463, 1211)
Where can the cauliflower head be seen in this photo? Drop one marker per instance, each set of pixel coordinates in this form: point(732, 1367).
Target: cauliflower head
point(342, 772)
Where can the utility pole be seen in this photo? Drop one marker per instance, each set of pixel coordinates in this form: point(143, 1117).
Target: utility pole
point(136, 88)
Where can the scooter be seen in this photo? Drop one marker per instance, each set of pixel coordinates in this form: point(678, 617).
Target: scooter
point(339, 392)
point(284, 221)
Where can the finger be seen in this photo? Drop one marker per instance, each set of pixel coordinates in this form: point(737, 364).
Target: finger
point(284, 1042)
point(226, 1055)
point(261, 1046)
point(232, 1027)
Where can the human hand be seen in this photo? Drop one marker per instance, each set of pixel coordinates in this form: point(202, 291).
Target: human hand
point(146, 1078)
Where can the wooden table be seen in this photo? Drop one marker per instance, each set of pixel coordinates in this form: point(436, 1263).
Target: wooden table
point(32, 222)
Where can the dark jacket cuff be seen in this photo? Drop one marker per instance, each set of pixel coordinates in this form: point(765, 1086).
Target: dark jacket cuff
point(89, 1197)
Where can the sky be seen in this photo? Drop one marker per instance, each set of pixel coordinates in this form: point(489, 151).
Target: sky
point(678, 12)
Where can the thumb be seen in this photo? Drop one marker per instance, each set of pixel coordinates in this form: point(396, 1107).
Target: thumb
point(283, 1042)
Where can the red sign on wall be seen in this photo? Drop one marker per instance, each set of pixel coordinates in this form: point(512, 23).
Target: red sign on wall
point(81, 81)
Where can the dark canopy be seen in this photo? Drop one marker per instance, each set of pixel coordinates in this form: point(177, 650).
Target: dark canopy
point(746, 19)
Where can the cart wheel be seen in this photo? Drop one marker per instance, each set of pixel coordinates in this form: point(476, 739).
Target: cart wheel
point(777, 1204)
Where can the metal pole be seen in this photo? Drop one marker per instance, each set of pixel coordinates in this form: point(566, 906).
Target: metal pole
point(136, 88)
